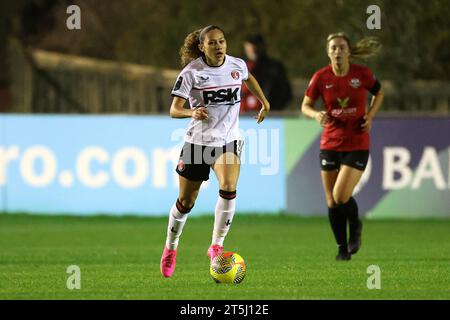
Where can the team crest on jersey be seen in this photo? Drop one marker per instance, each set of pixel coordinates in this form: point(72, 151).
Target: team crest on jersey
point(235, 74)
point(181, 166)
point(355, 83)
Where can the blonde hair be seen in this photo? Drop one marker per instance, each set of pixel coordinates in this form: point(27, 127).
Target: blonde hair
point(190, 50)
point(364, 48)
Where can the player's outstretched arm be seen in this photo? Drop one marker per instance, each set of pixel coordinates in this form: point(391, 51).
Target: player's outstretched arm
point(254, 87)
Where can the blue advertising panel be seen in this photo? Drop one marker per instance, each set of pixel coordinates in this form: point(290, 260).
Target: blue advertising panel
point(124, 165)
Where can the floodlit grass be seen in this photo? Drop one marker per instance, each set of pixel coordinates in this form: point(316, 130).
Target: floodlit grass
point(287, 258)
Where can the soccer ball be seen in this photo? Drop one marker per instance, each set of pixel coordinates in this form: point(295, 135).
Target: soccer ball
point(228, 267)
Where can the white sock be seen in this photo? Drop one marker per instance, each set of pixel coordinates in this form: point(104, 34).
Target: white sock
point(175, 227)
point(223, 217)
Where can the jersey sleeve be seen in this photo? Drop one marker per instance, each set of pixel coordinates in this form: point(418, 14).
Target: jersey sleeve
point(183, 85)
point(313, 90)
point(371, 82)
point(244, 68)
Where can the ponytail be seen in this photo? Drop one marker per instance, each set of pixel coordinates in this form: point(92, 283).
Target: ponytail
point(364, 48)
point(190, 51)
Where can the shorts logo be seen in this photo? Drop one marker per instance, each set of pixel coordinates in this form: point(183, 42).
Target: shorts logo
point(235, 74)
point(355, 83)
point(325, 162)
point(181, 166)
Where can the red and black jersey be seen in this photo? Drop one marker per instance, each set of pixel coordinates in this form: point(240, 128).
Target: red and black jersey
point(345, 103)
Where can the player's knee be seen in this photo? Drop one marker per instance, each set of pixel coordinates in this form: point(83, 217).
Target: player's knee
point(340, 198)
point(228, 186)
point(186, 203)
point(330, 202)
point(187, 199)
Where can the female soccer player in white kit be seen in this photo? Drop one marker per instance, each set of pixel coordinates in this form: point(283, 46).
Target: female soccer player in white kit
point(211, 80)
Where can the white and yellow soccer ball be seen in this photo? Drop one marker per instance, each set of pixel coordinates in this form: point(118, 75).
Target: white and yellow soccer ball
point(228, 267)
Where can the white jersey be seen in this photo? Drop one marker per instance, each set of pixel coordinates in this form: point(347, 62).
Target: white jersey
point(219, 90)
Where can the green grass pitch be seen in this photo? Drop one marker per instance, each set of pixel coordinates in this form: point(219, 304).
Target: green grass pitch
point(287, 258)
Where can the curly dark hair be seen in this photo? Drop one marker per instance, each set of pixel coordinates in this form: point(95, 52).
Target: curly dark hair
point(190, 51)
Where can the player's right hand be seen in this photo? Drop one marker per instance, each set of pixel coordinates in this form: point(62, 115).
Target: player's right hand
point(200, 113)
point(322, 118)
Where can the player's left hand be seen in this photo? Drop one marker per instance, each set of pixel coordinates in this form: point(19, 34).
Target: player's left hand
point(262, 114)
point(367, 123)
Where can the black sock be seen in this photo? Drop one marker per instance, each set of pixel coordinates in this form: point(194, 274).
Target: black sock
point(350, 209)
point(338, 222)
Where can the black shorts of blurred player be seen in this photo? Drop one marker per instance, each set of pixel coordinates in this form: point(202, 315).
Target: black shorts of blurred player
point(196, 160)
point(332, 160)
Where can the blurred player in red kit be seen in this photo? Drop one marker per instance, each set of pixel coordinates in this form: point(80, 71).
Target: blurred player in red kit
point(344, 145)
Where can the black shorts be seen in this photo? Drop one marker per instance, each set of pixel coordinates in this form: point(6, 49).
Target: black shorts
point(196, 160)
point(331, 160)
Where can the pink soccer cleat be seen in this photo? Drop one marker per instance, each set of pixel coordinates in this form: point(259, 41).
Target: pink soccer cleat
point(214, 250)
point(168, 262)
